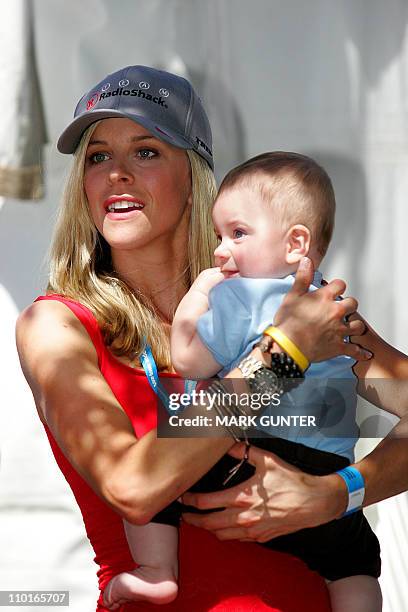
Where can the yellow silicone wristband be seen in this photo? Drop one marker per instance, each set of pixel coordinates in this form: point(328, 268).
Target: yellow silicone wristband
point(288, 346)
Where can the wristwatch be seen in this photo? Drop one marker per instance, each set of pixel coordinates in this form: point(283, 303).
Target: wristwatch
point(260, 379)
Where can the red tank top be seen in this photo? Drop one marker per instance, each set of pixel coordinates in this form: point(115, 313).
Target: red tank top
point(214, 576)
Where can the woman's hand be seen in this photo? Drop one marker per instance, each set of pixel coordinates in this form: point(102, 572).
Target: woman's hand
point(314, 321)
point(278, 499)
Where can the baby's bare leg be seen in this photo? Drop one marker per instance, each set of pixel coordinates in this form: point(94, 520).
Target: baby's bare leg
point(355, 594)
point(154, 550)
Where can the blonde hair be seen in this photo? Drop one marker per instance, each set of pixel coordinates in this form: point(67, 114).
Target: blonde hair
point(81, 267)
point(299, 189)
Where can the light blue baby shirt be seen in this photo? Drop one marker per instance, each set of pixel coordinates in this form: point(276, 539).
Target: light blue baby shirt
point(239, 310)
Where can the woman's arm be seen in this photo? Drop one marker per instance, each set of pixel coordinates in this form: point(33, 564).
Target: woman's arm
point(280, 499)
point(72, 397)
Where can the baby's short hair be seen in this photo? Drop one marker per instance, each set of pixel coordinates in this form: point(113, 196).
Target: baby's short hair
point(298, 187)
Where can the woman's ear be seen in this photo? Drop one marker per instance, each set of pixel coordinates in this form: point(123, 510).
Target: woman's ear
point(297, 243)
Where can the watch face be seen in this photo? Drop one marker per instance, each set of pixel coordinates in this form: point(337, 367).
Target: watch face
point(264, 381)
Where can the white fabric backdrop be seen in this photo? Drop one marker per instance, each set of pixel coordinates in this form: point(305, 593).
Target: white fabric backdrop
point(324, 78)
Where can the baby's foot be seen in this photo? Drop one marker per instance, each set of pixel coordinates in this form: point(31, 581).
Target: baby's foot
point(153, 584)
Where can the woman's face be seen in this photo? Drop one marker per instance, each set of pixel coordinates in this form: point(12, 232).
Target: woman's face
point(138, 187)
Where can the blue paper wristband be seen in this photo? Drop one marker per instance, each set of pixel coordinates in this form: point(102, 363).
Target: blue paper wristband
point(355, 486)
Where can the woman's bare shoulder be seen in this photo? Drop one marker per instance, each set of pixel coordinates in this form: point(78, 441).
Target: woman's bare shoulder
point(37, 312)
point(48, 331)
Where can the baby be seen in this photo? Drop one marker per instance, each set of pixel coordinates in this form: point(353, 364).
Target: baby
point(270, 212)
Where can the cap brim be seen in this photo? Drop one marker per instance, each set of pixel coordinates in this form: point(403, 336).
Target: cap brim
point(71, 136)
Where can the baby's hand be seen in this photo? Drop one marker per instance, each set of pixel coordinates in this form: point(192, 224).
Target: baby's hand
point(207, 279)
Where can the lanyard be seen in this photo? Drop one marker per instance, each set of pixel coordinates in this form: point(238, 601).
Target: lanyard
point(150, 368)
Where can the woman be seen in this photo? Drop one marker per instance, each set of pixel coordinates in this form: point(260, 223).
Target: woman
point(134, 231)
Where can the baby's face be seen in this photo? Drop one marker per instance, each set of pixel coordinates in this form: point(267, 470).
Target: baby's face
point(251, 243)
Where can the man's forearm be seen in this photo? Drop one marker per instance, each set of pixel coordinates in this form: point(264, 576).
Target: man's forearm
point(385, 469)
point(385, 473)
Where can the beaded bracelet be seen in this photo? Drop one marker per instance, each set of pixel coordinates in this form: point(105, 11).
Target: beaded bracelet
point(284, 367)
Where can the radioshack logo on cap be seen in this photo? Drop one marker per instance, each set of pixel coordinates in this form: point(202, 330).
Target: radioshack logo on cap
point(122, 91)
point(92, 101)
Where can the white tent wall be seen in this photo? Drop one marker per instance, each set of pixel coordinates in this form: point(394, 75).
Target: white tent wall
point(328, 79)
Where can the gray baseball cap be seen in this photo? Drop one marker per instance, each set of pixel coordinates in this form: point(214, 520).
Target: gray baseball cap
point(163, 103)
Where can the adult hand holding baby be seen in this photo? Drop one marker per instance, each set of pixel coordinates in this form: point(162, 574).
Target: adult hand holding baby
point(253, 513)
point(316, 322)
